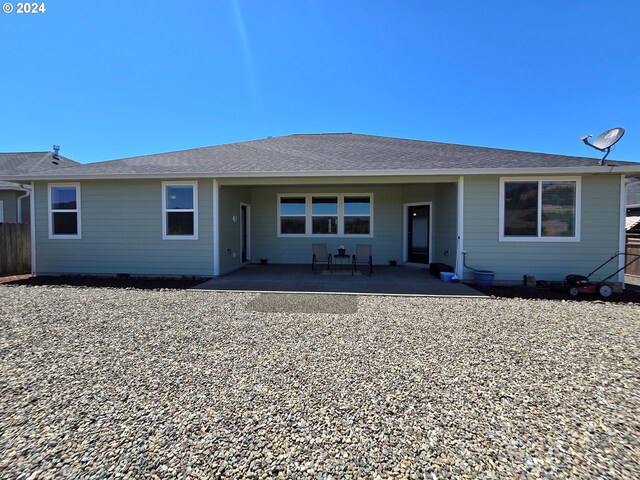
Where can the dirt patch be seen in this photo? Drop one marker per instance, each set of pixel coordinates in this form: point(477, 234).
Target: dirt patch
point(297, 303)
point(143, 283)
point(630, 294)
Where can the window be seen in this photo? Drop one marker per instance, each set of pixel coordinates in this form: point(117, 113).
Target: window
point(64, 211)
point(179, 211)
point(1, 211)
point(325, 215)
point(293, 215)
point(357, 215)
point(539, 209)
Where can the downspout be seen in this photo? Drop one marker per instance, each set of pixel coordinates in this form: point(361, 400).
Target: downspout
point(19, 200)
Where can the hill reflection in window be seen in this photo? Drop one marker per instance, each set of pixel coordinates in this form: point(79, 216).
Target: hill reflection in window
point(540, 208)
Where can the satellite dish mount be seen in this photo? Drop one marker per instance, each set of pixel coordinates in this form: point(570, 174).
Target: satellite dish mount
point(605, 141)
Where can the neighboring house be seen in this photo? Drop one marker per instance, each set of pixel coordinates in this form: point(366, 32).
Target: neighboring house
point(14, 196)
point(207, 211)
point(14, 203)
point(633, 197)
point(633, 209)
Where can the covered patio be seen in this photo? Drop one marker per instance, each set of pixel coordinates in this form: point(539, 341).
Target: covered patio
point(299, 278)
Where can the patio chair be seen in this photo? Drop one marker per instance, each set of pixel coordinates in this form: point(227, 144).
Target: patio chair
point(320, 255)
point(363, 257)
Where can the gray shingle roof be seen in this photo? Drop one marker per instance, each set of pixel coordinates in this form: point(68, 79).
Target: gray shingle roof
point(26, 162)
point(318, 153)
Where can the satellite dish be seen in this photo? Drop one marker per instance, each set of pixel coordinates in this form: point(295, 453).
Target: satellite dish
point(605, 141)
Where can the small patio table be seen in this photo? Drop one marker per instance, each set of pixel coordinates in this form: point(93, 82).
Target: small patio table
point(341, 261)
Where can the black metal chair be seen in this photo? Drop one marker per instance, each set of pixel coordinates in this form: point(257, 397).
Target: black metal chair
point(363, 257)
point(320, 255)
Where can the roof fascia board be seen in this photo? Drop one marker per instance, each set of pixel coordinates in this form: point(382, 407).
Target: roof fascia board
point(613, 169)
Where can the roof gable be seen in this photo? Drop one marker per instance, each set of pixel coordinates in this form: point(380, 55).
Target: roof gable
point(26, 162)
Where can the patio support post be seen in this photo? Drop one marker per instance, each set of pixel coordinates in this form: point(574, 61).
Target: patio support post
point(216, 228)
point(459, 261)
point(32, 207)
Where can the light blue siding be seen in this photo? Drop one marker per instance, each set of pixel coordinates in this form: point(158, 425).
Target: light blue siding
point(387, 225)
point(122, 229)
point(388, 222)
point(230, 248)
point(599, 236)
point(122, 233)
point(445, 224)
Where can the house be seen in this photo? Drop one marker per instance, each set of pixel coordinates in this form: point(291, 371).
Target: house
point(207, 211)
point(633, 209)
point(14, 197)
point(633, 197)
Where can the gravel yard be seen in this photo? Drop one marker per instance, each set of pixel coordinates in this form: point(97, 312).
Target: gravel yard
point(162, 383)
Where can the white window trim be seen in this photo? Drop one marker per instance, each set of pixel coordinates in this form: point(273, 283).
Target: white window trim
point(309, 215)
point(193, 184)
point(77, 211)
point(539, 237)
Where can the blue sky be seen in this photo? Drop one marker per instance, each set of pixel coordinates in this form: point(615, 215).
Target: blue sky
point(111, 79)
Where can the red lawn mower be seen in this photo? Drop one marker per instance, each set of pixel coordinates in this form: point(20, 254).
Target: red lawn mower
point(576, 284)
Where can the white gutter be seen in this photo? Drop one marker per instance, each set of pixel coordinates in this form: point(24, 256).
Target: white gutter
point(591, 170)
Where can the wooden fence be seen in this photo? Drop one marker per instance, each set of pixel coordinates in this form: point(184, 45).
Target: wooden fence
point(15, 248)
point(633, 248)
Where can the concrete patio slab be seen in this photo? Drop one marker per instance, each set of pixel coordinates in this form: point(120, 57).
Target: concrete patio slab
point(300, 278)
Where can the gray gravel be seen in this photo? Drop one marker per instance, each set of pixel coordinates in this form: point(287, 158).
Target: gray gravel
point(100, 383)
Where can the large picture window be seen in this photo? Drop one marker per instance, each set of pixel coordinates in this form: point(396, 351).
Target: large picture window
point(179, 211)
point(325, 214)
point(539, 209)
point(64, 211)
